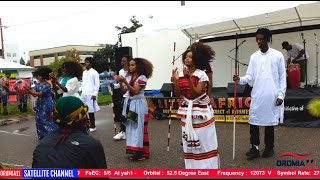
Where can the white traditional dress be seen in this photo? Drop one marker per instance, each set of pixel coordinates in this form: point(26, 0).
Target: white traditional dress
point(267, 71)
point(197, 120)
point(137, 135)
point(90, 87)
point(73, 86)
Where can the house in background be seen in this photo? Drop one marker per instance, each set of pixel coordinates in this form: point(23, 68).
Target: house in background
point(11, 53)
point(44, 57)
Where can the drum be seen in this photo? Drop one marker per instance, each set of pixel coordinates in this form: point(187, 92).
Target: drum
point(294, 75)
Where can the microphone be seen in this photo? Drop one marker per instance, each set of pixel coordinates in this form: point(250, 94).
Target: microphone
point(302, 35)
point(243, 41)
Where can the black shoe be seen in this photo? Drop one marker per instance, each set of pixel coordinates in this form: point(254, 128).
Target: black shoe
point(253, 153)
point(24, 109)
point(20, 108)
point(268, 152)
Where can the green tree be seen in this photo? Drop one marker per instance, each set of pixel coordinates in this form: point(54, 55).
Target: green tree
point(133, 28)
point(104, 58)
point(22, 61)
point(71, 55)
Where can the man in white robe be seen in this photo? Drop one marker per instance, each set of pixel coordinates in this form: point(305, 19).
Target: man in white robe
point(90, 90)
point(267, 70)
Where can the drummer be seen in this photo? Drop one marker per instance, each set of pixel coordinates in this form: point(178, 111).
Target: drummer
point(300, 56)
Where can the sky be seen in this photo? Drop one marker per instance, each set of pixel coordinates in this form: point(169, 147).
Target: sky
point(34, 25)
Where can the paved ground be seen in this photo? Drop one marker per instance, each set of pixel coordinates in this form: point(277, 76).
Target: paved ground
point(18, 141)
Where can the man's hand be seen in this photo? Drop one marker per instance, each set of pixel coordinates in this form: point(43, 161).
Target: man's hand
point(294, 61)
point(112, 85)
point(279, 102)
point(236, 78)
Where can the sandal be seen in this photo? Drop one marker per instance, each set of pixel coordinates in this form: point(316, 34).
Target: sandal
point(142, 158)
point(135, 158)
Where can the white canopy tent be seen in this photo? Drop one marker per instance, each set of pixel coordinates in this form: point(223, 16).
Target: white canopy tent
point(23, 71)
point(301, 15)
point(293, 23)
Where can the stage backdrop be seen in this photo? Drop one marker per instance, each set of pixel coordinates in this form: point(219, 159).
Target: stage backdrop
point(297, 111)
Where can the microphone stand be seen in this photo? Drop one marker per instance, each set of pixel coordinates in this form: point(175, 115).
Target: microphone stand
point(305, 59)
point(317, 55)
point(238, 61)
point(176, 58)
point(236, 54)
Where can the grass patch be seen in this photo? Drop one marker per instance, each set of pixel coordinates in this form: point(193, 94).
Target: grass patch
point(104, 99)
point(2, 166)
point(14, 111)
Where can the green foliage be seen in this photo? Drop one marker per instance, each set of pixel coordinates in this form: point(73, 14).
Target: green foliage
point(22, 61)
point(105, 58)
point(71, 55)
point(104, 99)
point(14, 111)
point(133, 28)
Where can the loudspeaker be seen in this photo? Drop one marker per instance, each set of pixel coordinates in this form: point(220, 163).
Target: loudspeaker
point(166, 89)
point(242, 90)
point(119, 53)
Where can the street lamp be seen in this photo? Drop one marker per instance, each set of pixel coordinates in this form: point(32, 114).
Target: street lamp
point(2, 38)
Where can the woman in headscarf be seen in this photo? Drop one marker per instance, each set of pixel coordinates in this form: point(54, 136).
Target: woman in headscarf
point(70, 146)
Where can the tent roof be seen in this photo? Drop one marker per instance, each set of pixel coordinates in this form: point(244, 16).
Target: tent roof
point(301, 15)
point(8, 65)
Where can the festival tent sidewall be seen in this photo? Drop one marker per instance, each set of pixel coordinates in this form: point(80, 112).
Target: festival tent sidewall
point(15, 69)
point(24, 72)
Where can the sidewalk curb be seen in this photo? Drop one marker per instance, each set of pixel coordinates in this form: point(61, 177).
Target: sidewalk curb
point(16, 119)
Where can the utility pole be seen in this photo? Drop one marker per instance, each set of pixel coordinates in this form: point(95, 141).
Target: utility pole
point(2, 39)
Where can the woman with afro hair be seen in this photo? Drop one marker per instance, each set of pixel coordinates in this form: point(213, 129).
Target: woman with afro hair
point(135, 108)
point(199, 136)
point(70, 83)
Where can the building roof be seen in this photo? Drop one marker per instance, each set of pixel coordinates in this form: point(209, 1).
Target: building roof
point(65, 46)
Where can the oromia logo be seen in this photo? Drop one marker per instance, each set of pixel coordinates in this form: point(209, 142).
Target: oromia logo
point(299, 156)
point(299, 162)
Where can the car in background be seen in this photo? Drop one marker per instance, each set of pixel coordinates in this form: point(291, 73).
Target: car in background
point(101, 82)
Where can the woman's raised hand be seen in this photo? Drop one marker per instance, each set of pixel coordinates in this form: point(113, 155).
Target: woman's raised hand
point(176, 75)
point(53, 76)
point(119, 78)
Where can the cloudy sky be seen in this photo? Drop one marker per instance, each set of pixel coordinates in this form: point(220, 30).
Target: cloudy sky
point(37, 25)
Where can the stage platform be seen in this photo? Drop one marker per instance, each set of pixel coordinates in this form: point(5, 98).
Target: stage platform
point(296, 106)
